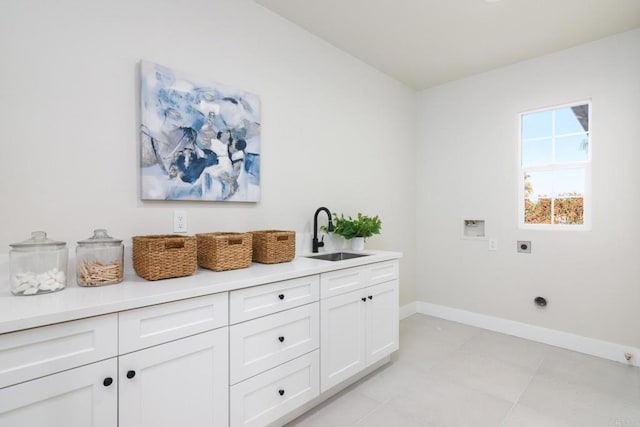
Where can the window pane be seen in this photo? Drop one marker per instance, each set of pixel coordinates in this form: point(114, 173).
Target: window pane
point(568, 210)
point(537, 152)
point(536, 125)
point(572, 119)
point(572, 148)
point(538, 188)
point(568, 182)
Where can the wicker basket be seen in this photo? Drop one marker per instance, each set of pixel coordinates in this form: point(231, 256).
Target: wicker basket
point(164, 256)
point(274, 246)
point(224, 251)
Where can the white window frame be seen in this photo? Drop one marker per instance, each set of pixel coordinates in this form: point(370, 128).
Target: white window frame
point(586, 165)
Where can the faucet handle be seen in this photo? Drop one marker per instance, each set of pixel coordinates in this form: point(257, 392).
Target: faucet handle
point(321, 242)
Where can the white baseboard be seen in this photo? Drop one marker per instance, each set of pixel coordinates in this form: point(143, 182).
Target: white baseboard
point(591, 346)
point(408, 310)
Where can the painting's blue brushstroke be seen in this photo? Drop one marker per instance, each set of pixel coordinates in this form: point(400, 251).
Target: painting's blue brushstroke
point(252, 166)
point(190, 166)
point(203, 138)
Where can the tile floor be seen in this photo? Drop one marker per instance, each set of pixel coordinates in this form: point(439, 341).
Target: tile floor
point(450, 374)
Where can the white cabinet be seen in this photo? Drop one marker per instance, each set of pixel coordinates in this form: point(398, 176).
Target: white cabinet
point(261, 344)
point(157, 324)
point(172, 368)
point(33, 353)
point(274, 364)
point(251, 303)
point(183, 382)
point(82, 397)
point(247, 357)
point(178, 375)
point(265, 398)
point(342, 341)
point(360, 327)
point(382, 321)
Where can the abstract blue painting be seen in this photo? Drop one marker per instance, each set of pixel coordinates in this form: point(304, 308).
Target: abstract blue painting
point(199, 140)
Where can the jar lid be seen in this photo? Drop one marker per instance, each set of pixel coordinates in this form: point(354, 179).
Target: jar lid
point(100, 237)
point(38, 238)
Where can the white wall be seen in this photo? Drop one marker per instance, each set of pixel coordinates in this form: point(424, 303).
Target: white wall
point(335, 132)
point(467, 160)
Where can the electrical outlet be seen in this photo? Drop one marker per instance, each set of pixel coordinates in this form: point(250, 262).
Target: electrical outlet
point(493, 244)
point(179, 221)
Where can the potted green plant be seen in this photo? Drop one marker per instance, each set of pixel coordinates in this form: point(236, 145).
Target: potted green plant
point(356, 230)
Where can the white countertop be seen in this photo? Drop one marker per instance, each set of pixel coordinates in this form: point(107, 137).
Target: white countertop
point(76, 302)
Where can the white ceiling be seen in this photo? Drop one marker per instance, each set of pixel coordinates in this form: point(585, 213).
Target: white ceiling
point(427, 42)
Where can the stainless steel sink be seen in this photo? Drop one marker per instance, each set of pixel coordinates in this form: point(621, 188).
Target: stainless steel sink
point(337, 256)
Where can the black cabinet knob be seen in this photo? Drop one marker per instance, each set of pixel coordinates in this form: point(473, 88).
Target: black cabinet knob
point(370, 297)
point(107, 381)
point(281, 296)
point(281, 339)
point(281, 392)
point(364, 299)
point(131, 374)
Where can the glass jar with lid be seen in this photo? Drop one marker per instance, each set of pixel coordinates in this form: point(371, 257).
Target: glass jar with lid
point(37, 265)
point(99, 260)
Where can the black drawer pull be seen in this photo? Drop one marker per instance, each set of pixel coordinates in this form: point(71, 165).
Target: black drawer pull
point(107, 381)
point(131, 374)
point(281, 296)
point(281, 392)
point(370, 297)
point(364, 299)
point(281, 339)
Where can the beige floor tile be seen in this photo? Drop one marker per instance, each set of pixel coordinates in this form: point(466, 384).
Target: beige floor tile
point(522, 416)
point(449, 374)
point(569, 403)
point(387, 416)
point(516, 351)
point(605, 376)
point(443, 403)
point(389, 381)
point(343, 409)
point(489, 375)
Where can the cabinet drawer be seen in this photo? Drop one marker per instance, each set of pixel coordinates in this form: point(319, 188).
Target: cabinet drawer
point(33, 353)
point(157, 324)
point(383, 272)
point(249, 303)
point(265, 398)
point(261, 344)
point(342, 281)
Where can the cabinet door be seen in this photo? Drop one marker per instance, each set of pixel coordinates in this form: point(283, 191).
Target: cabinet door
point(342, 337)
point(180, 383)
point(382, 320)
point(78, 397)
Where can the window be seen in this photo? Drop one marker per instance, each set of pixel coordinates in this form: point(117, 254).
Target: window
point(555, 167)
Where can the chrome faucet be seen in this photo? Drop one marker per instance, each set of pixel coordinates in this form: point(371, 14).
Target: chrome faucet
point(315, 243)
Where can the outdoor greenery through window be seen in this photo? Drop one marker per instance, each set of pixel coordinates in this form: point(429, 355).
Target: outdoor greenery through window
point(555, 166)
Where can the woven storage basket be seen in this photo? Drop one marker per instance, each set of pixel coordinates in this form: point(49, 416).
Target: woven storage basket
point(164, 256)
point(224, 251)
point(273, 246)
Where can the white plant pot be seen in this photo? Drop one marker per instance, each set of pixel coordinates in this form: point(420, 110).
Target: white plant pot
point(357, 244)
